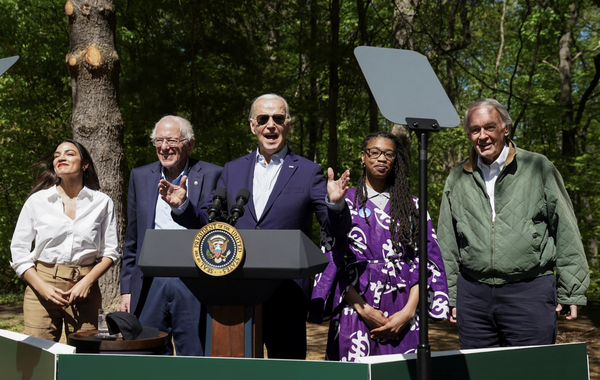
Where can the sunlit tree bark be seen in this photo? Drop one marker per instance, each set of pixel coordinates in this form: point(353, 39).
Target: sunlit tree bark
point(94, 66)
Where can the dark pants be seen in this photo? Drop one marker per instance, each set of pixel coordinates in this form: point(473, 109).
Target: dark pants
point(516, 314)
point(171, 307)
point(284, 322)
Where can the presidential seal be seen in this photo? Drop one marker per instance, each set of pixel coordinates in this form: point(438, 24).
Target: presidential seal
point(218, 249)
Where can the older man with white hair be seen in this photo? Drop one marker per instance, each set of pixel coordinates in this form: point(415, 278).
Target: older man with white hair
point(165, 303)
point(506, 225)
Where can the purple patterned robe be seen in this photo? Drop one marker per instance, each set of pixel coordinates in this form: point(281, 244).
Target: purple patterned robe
point(366, 259)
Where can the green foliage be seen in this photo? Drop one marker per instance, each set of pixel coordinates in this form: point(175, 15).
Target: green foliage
point(11, 299)
point(593, 293)
point(35, 106)
point(207, 60)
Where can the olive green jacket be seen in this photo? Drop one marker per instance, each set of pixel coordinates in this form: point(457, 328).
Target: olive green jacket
point(534, 231)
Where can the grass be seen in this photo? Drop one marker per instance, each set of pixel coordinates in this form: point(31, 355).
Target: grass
point(11, 299)
point(11, 317)
point(12, 324)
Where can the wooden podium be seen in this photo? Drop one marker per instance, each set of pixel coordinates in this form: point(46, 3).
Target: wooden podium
point(234, 320)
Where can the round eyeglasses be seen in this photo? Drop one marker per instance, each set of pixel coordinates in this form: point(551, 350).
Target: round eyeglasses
point(170, 142)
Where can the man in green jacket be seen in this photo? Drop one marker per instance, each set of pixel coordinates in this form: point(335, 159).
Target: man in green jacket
point(506, 222)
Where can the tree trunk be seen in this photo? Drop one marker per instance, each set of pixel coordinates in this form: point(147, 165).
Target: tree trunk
point(194, 81)
point(404, 14)
point(499, 56)
point(566, 88)
point(573, 133)
point(531, 76)
point(364, 37)
point(334, 87)
point(94, 66)
point(315, 114)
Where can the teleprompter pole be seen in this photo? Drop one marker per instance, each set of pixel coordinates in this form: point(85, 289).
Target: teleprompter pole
point(422, 127)
point(406, 90)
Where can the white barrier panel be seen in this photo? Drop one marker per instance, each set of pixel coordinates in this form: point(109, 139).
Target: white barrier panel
point(27, 358)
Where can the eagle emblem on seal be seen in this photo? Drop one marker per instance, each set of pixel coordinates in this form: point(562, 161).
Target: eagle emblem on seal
point(217, 248)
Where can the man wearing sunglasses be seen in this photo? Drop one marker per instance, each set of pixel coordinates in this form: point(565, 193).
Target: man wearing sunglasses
point(286, 190)
point(165, 303)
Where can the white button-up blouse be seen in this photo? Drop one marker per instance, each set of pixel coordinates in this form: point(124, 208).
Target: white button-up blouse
point(44, 233)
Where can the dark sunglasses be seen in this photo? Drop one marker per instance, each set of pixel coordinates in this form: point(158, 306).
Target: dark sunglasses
point(264, 119)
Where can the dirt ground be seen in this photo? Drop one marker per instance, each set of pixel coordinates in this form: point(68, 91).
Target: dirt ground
point(443, 336)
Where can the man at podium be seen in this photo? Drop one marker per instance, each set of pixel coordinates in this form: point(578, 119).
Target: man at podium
point(286, 189)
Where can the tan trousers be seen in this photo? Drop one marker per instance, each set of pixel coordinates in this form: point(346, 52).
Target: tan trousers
point(45, 319)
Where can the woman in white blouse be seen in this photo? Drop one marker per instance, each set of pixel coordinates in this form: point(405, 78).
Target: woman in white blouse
point(65, 239)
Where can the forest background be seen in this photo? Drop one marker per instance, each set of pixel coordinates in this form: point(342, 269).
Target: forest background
point(207, 60)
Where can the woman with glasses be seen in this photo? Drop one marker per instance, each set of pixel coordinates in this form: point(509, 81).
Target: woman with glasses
point(371, 281)
point(65, 239)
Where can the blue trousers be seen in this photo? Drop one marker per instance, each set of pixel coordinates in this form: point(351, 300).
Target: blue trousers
point(516, 314)
point(171, 307)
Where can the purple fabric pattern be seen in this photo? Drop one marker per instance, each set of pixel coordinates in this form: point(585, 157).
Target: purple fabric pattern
point(366, 259)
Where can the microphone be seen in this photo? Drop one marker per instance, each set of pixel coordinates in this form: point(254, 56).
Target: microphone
point(237, 211)
point(215, 209)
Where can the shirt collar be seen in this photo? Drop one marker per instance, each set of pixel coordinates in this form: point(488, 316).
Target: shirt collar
point(85, 192)
point(500, 161)
point(53, 195)
point(372, 193)
point(184, 172)
point(275, 157)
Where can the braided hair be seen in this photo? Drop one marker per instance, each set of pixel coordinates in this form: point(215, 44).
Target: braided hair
point(404, 216)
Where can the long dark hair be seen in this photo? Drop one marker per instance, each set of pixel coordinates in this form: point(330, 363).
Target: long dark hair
point(46, 177)
point(404, 216)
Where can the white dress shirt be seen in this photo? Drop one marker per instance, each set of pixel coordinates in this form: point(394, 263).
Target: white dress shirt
point(490, 175)
point(162, 218)
point(58, 239)
point(265, 177)
point(263, 182)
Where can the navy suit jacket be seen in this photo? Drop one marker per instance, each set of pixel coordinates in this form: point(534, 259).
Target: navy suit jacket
point(299, 191)
point(141, 210)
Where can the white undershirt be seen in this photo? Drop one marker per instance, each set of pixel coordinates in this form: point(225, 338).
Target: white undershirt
point(265, 177)
point(490, 175)
point(380, 199)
